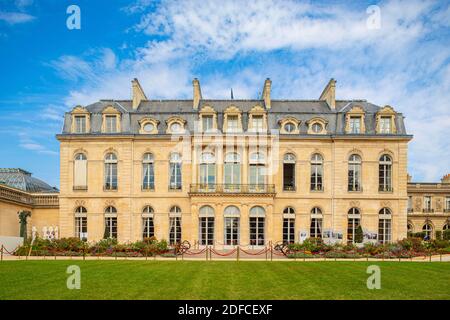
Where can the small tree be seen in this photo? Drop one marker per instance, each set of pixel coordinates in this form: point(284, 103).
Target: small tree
point(23, 216)
point(359, 235)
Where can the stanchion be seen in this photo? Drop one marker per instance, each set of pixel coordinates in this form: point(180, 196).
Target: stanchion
point(206, 253)
point(2, 253)
point(271, 253)
point(237, 253)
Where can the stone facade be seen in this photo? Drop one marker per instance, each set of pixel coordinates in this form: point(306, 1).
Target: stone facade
point(429, 206)
point(127, 130)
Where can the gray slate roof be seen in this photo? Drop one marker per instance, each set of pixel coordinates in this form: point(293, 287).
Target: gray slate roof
point(303, 110)
point(22, 180)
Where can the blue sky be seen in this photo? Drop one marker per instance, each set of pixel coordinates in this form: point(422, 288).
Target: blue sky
point(47, 69)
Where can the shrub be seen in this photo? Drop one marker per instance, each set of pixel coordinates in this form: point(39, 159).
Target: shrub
point(359, 235)
point(446, 234)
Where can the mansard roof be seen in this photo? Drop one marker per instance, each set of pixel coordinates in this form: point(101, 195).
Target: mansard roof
point(132, 111)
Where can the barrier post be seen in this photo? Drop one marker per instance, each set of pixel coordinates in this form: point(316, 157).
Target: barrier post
point(237, 253)
point(430, 256)
point(84, 253)
point(206, 253)
point(271, 253)
point(2, 253)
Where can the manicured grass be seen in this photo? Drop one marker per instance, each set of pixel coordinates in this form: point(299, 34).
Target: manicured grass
point(223, 280)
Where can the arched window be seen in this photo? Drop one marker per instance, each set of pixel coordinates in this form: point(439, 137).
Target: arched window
point(315, 230)
point(354, 173)
point(257, 164)
point(175, 171)
point(80, 172)
point(316, 172)
point(257, 226)
point(148, 225)
point(231, 225)
point(206, 225)
point(353, 222)
point(384, 225)
point(232, 172)
point(148, 172)
point(289, 172)
point(446, 227)
point(175, 225)
point(110, 172)
point(81, 223)
point(110, 223)
point(428, 231)
point(385, 173)
point(207, 171)
point(288, 225)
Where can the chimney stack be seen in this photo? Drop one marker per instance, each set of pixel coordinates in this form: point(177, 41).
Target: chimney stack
point(329, 94)
point(137, 93)
point(446, 178)
point(197, 93)
point(266, 93)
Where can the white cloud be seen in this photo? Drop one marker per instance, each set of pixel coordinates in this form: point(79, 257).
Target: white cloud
point(15, 17)
point(401, 64)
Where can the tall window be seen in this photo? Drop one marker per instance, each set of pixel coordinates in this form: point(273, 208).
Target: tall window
point(410, 204)
point(316, 172)
point(385, 173)
point(232, 172)
point(315, 230)
point(206, 225)
point(148, 172)
point(207, 170)
point(81, 223)
point(175, 171)
point(231, 225)
point(355, 125)
point(258, 123)
point(110, 172)
point(257, 226)
point(111, 124)
point(384, 225)
point(447, 203)
point(80, 171)
point(110, 223)
point(354, 221)
point(428, 230)
point(385, 125)
point(207, 123)
point(174, 225)
point(427, 203)
point(232, 123)
point(354, 173)
point(257, 171)
point(289, 172)
point(148, 226)
point(80, 124)
point(289, 225)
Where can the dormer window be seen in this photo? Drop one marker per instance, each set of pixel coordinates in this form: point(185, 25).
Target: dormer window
point(111, 124)
point(207, 123)
point(385, 121)
point(257, 119)
point(148, 126)
point(232, 122)
point(175, 125)
point(355, 125)
point(289, 125)
point(80, 124)
point(208, 119)
point(111, 120)
point(80, 120)
point(317, 126)
point(354, 120)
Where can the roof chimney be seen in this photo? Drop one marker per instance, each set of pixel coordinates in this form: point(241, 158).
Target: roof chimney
point(137, 93)
point(329, 94)
point(266, 93)
point(197, 93)
point(446, 178)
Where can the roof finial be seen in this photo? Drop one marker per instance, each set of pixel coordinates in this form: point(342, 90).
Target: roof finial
point(232, 96)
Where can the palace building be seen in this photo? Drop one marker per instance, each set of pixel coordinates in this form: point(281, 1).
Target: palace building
point(233, 172)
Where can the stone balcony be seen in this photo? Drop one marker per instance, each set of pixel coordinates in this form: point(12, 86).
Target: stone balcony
point(233, 189)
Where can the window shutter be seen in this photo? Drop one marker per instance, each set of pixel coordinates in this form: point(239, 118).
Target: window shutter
point(80, 173)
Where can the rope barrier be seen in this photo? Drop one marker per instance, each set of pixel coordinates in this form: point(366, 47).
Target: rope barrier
point(195, 253)
point(223, 254)
point(255, 254)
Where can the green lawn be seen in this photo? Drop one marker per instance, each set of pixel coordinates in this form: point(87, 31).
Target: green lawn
point(223, 280)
